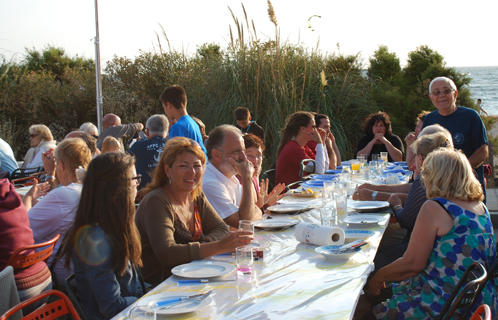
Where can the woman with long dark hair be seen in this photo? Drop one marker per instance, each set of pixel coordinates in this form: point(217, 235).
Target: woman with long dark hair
point(104, 243)
point(299, 128)
point(379, 138)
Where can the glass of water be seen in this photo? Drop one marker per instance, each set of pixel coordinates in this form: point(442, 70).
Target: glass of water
point(244, 259)
point(142, 313)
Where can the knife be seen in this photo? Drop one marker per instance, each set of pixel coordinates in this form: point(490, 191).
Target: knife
point(197, 298)
point(166, 302)
point(353, 247)
point(200, 281)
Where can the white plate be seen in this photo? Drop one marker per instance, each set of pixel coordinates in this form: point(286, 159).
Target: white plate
point(363, 219)
point(271, 224)
point(186, 307)
point(289, 207)
point(358, 234)
point(203, 269)
point(367, 205)
point(327, 252)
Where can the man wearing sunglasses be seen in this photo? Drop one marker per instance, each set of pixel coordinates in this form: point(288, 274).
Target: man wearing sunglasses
point(464, 124)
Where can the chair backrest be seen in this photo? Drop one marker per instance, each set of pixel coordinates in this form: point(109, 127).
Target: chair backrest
point(8, 292)
point(473, 278)
point(482, 313)
point(19, 261)
point(24, 172)
point(270, 175)
point(308, 166)
point(48, 311)
point(24, 182)
point(492, 274)
point(72, 291)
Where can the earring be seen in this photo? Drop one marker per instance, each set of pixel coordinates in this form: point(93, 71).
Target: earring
point(169, 180)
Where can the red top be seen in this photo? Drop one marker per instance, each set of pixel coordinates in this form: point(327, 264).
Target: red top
point(15, 231)
point(312, 145)
point(289, 162)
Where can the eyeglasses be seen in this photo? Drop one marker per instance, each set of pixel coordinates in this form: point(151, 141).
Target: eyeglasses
point(255, 157)
point(446, 91)
point(138, 179)
point(96, 137)
point(33, 135)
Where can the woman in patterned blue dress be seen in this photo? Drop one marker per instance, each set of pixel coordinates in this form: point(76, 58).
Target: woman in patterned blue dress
point(453, 229)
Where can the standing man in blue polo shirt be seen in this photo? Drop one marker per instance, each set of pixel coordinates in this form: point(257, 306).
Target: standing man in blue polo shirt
point(147, 152)
point(174, 101)
point(464, 124)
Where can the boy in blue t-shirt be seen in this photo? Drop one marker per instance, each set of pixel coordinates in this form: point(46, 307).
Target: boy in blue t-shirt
point(174, 101)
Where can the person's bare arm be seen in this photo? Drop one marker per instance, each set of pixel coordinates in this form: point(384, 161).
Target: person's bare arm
point(392, 188)
point(432, 221)
point(366, 195)
point(336, 150)
point(410, 156)
point(478, 157)
point(331, 153)
point(368, 147)
point(394, 152)
point(49, 166)
point(248, 210)
point(37, 190)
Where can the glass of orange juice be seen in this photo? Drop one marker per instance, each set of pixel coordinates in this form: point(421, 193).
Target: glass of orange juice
point(356, 166)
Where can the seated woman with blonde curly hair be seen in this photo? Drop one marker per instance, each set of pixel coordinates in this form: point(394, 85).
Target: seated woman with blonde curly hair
point(452, 230)
point(177, 223)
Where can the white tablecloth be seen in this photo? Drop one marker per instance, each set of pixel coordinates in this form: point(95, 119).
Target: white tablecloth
point(292, 281)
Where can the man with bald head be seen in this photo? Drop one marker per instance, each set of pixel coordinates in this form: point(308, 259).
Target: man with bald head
point(232, 200)
point(114, 128)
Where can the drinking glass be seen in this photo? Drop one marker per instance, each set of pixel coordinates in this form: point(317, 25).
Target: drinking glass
point(356, 166)
point(352, 186)
point(244, 259)
point(341, 197)
point(328, 204)
point(346, 172)
point(383, 156)
point(142, 313)
point(328, 214)
point(246, 225)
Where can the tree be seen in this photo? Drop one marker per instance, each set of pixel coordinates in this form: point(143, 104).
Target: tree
point(384, 65)
point(54, 60)
point(419, 61)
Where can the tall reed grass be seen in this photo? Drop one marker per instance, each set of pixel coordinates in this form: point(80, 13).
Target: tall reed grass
point(272, 78)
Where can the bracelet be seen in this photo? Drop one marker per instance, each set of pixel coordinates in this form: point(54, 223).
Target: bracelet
point(50, 177)
point(396, 207)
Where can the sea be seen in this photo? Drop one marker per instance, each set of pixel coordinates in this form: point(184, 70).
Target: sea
point(484, 85)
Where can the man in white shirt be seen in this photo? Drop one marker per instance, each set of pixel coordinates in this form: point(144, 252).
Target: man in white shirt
point(232, 200)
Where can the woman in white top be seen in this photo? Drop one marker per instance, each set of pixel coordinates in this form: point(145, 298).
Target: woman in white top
point(41, 140)
point(54, 213)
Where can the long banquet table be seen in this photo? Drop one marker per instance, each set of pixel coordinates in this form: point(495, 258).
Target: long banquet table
point(292, 281)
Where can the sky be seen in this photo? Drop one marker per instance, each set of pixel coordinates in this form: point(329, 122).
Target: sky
point(463, 32)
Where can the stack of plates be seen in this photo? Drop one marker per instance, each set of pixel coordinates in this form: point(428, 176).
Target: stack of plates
point(290, 207)
point(367, 206)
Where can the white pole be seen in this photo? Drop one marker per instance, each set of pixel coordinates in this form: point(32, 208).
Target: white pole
point(98, 76)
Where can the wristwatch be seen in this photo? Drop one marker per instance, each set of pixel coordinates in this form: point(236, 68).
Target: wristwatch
point(374, 195)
